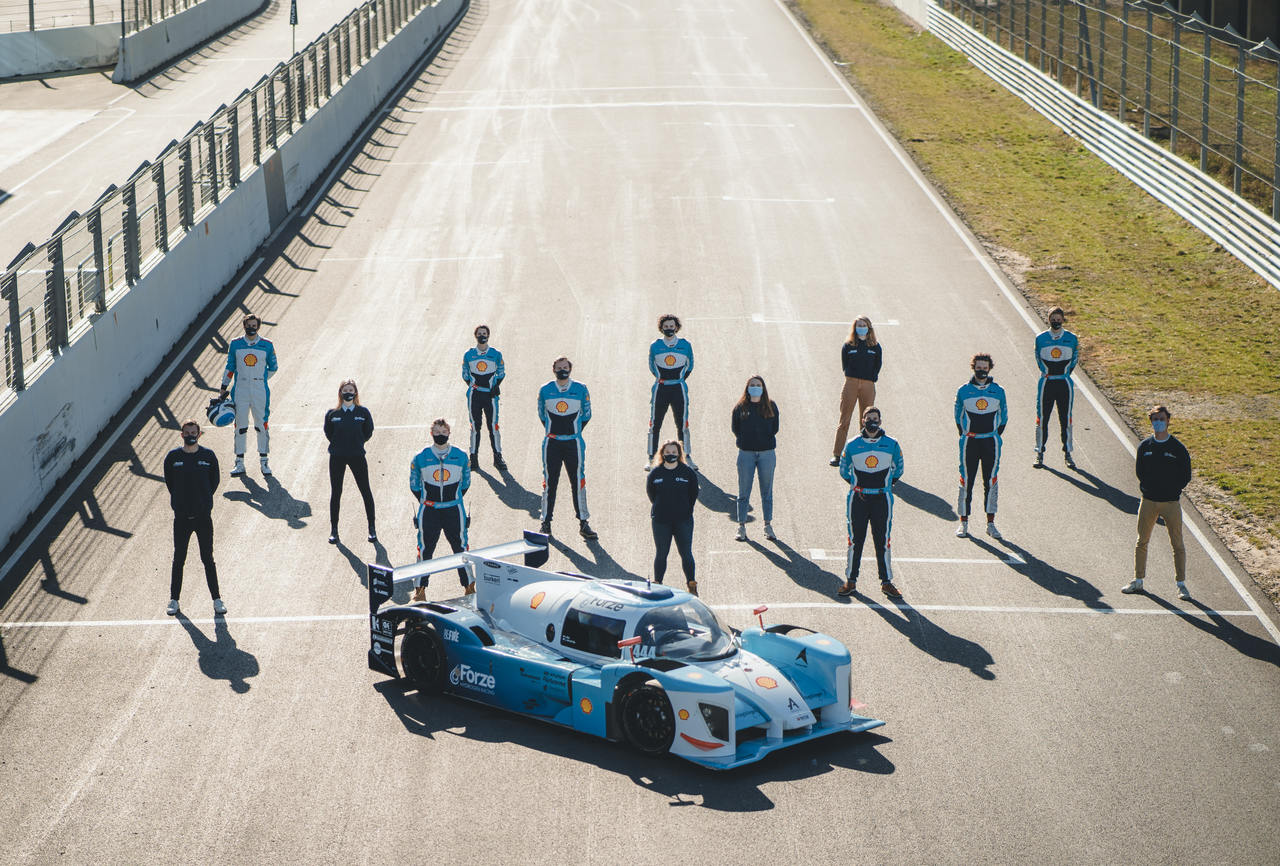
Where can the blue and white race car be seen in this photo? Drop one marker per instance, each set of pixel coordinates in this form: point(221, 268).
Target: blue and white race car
point(620, 659)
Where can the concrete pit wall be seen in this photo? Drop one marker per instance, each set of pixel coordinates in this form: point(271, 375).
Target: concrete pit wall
point(39, 52)
point(154, 46)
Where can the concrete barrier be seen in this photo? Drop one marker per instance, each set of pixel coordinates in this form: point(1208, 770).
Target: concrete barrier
point(53, 422)
point(154, 46)
point(37, 52)
point(917, 9)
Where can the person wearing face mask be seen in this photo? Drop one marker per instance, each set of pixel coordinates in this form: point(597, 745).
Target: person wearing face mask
point(348, 427)
point(1057, 352)
point(981, 414)
point(564, 408)
point(861, 357)
point(872, 464)
point(483, 371)
point(1163, 467)
point(673, 489)
point(191, 475)
point(755, 429)
point(670, 362)
point(438, 479)
point(251, 360)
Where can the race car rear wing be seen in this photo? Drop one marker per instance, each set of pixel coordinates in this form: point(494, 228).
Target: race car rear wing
point(384, 581)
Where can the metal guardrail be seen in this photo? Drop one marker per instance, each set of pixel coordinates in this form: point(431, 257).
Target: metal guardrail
point(50, 292)
point(133, 15)
point(1231, 221)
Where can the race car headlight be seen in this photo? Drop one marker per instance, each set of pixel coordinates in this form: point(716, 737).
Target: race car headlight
point(717, 719)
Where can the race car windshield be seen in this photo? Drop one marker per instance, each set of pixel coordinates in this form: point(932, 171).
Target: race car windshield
point(687, 631)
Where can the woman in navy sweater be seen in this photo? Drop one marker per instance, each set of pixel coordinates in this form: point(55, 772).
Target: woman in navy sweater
point(673, 489)
point(755, 426)
point(348, 426)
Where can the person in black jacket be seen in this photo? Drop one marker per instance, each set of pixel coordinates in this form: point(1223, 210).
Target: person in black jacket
point(755, 427)
point(191, 474)
point(861, 356)
point(348, 426)
point(1164, 469)
point(673, 488)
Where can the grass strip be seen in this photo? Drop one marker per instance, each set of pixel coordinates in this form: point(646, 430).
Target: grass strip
point(1164, 314)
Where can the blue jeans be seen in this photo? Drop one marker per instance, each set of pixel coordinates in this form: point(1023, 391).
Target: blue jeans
point(749, 463)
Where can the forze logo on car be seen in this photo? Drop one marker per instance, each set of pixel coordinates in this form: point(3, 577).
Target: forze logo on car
point(468, 677)
point(605, 603)
point(450, 634)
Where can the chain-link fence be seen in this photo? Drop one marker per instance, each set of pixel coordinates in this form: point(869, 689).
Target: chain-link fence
point(48, 14)
point(51, 291)
point(1209, 94)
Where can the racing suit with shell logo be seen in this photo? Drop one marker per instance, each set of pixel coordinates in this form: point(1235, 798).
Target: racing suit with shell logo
point(981, 414)
point(251, 363)
point(670, 363)
point(483, 372)
point(871, 466)
point(438, 478)
point(564, 414)
point(1056, 357)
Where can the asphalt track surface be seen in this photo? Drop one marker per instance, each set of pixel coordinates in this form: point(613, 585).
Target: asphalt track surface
point(565, 172)
point(65, 138)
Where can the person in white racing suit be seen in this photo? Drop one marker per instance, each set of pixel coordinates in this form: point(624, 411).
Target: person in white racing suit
point(251, 360)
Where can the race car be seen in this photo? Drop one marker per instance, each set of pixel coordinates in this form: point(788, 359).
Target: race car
point(624, 660)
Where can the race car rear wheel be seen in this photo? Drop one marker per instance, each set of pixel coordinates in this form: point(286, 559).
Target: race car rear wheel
point(423, 658)
point(647, 720)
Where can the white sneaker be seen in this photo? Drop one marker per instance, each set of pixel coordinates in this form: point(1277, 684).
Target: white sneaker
point(218, 607)
point(266, 470)
point(992, 531)
point(647, 466)
point(962, 531)
point(742, 533)
point(1132, 586)
point(769, 533)
point(1183, 592)
point(238, 469)
point(172, 609)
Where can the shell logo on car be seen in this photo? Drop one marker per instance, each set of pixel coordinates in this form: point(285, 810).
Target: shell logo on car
point(537, 600)
point(766, 682)
point(684, 715)
point(585, 706)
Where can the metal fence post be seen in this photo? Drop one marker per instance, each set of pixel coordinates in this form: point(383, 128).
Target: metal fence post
point(211, 142)
point(162, 212)
point(1146, 89)
point(328, 67)
point(132, 243)
point(91, 16)
point(1204, 104)
point(1124, 58)
point(1236, 174)
point(1062, 38)
point(301, 101)
point(315, 73)
point(94, 220)
point(288, 98)
point(31, 14)
point(233, 131)
point(1174, 96)
point(9, 291)
point(1044, 18)
point(255, 119)
point(55, 288)
point(1275, 165)
point(186, 188)
point(270, 111)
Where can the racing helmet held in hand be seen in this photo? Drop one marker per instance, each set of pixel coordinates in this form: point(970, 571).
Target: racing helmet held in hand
point(221, 412)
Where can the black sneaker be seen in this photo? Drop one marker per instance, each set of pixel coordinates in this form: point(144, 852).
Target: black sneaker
point(585, 530)
point(834, 461)
point(545, 528)
point(1039, 464)
point(849, 588)
point(333, 536)
point(475, 461)
point(499, 463)
point(1071, 464)
point(890, 590)
point(373, 535)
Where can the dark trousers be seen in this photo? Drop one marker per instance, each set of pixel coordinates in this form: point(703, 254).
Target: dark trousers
point(452, 522)
point(566, 453)
point(484, 414)
point(666, 397)
point(202, 526)
point(975, 453)
point(1053, 393)
point(874, 510)
point(337, 472)
point(663, 533)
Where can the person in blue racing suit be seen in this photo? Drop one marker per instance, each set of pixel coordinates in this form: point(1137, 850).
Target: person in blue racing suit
point(483, 371)
point(981, 415)
point(251, 360)
point(438, 478)
point(872, 464)
point(670, 362)
point(1057, 353)
point(564, 407)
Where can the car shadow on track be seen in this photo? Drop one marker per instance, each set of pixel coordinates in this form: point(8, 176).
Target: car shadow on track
point(1055, 580)
point(681, 783)
point(511, 492)
point(932, 638)
point(221, 659)
point(1254, 647)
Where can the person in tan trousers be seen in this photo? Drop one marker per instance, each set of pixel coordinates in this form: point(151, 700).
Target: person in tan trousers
point(861, 357)
point(1163, 467)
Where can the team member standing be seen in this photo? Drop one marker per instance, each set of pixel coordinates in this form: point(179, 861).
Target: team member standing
point(861, 357)
point(1057, 352)
point(191, 474)
point(981, 415)
point(251, 360)
point(347, 427)
point(673, 489)
point(564, 407)
point(438, 479)
point(872, 464)
point(755, 428)
point(1164, 470)
point(483, 371)
point(671, 362)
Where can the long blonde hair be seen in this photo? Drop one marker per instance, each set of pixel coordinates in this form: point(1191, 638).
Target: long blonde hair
point(871, 331)
point(344, 383)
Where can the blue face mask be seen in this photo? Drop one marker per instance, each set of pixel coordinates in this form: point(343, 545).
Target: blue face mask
point(860, 330)
point(754, 390)
point(1159, 426)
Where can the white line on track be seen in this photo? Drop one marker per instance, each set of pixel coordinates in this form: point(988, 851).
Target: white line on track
point(1036, 327)
point(1199, 613)
point(129, 112)
point(1009, 559)
point(759, 319)
point(396, 260)
point(692, 103)
point(311, 428)
point(460, 162)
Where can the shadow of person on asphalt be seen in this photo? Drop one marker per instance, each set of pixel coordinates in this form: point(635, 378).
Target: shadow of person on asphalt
point(1055, 580)
point(1235, 637)
point(714, 498)
point(802, 571)
point(512, 493)
point(926, 635)
point(930, 503)
point(604, 566)
point(434, 717)
point(1116, 498)
point(222, 659)
point(359, 565)
point(273, 501)
point(6, 670)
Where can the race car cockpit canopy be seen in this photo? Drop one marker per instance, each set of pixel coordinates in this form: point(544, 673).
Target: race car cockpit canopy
point(688, 631)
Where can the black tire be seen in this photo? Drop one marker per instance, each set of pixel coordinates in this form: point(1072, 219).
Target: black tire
point(423, 659)
point(646, 718)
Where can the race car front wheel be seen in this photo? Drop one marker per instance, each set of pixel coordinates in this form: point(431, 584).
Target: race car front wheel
point(423, 658)
point(647, 720)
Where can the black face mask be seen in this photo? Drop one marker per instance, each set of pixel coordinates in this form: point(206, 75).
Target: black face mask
point(871, 426)
point(347, 398)
point(670, 458)
point(189, 439)
point(562, 374)
point(439, 439)
point(980, 374)
point(482, 338)
point(251, 329)
point(669, 332)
